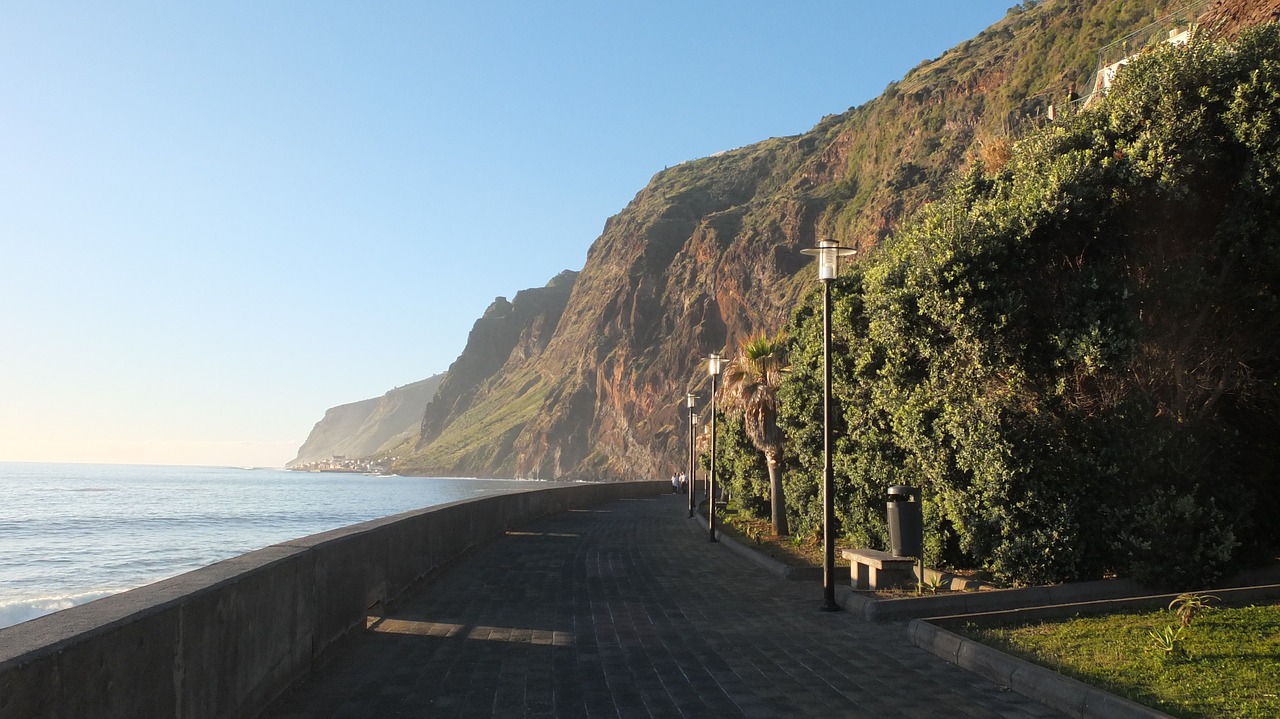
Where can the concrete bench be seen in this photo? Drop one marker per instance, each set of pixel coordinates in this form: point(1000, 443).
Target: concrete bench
point(873, 569)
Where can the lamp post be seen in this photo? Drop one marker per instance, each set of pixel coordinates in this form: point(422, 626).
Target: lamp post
point(690, 400)
point(713, 369)
point(828, 254)
point(693, 478)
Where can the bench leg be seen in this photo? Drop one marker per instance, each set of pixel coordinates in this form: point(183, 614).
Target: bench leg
point(861, 574)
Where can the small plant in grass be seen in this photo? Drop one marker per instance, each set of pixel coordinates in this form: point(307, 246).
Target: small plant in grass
point(1168, 642)
point(1187, 605)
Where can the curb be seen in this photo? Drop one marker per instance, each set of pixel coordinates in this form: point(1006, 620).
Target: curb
point(1054, 690)
point(769, 563)
point(1228, 597)
point(1096, 596)
point(873, 609)
point(774, 566)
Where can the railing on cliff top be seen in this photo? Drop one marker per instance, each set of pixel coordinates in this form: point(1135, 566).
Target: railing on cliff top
point(1176, 26)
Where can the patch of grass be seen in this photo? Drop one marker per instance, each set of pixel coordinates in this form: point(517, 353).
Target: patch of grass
point(518, 398)
point(1227, 665)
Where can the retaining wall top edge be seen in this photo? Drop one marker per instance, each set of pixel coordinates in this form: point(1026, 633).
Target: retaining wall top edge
point(50, 633)
point(313, 540)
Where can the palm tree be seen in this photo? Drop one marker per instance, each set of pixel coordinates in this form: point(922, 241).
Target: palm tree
point(751, 387)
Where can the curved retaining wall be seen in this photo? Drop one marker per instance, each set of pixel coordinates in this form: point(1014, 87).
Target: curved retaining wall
point(225, 640)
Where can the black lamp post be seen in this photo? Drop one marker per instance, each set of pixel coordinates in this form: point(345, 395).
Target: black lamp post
point(690, 400)
point(693, 478)
point(828, 254)
point(713, 369)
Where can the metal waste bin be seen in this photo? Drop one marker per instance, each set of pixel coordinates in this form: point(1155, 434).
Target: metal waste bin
point(906, 521)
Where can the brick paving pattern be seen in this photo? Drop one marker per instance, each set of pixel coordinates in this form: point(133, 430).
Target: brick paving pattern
point(626, 610)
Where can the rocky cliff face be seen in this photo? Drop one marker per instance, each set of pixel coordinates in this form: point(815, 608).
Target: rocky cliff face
point(501, 344)
point(368, 427)
point(708, 253)
point(1226, 18)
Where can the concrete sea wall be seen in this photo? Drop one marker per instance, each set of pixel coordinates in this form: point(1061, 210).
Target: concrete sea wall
point(225, 640)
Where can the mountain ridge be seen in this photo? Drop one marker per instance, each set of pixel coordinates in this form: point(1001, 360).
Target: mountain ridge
point(708, 252)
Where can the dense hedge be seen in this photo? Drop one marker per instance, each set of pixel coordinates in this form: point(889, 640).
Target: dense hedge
point(741, 469)
point(1075, 354)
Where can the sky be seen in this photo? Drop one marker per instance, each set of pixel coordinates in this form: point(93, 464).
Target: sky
point(217, 220)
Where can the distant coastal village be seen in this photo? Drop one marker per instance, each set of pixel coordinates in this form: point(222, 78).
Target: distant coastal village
point(340, 463)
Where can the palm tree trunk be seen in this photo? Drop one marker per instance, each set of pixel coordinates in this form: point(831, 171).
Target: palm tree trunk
point(777, 498)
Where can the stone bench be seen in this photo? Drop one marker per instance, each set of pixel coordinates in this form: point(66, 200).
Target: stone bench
point(873, 569)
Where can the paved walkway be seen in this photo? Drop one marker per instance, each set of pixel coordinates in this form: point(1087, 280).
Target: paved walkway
point(626, 610)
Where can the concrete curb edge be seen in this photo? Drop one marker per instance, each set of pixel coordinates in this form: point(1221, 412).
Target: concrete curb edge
point(765, 561)
point(782, 569)
point(1073, 697)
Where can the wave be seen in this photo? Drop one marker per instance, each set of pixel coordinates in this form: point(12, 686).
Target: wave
point(24, 610)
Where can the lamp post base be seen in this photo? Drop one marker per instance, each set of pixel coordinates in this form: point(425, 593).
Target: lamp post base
point(830, 607)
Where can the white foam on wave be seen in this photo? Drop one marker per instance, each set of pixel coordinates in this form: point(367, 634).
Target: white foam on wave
point(24, 610)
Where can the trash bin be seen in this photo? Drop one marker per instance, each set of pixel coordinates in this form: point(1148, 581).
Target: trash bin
point(906, 521)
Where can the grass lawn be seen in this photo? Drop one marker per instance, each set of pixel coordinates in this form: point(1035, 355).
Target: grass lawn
point(1229, 664)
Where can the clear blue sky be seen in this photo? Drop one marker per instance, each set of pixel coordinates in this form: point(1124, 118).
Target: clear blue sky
point(219, 219)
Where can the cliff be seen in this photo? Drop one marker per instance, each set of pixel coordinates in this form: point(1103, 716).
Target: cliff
point(485, 397)
point(367, 427)
point(709, 252)
point(1226, 18)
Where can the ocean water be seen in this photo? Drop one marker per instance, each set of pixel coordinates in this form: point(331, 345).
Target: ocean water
point(72, 533)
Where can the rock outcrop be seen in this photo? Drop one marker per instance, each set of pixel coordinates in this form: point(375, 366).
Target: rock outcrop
point(1226, 18)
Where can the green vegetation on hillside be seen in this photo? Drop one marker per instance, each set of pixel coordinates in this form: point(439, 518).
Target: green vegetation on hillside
point(707, 254)
point(1075, 354)
point(480, 440)
point(904, 147)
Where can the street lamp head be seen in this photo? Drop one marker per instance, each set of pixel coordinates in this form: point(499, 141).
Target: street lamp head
point(693, 418)
point(829, 253)
point(714, 364)
point(690, 400)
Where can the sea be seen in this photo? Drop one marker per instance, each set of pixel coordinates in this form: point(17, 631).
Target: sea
point(72, 533)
